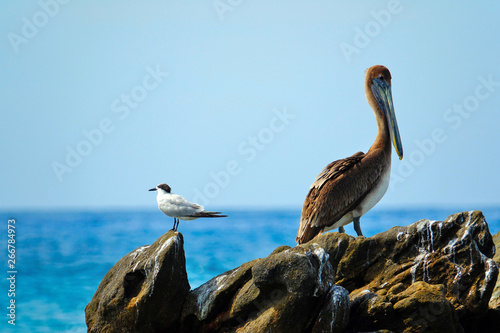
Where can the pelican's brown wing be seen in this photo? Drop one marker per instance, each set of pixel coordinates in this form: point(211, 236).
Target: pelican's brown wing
point(338, 189)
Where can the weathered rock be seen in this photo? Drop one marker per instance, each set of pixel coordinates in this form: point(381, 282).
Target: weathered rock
point(289, 291)
point(208, 306)
point(334, 314)
point(144, 291)
point(495, 298)
point(490, 321)
point(425, 307)
point(431, 276)
point(455, 253)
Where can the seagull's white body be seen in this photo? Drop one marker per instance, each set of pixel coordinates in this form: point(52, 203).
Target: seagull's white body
point(175, 205)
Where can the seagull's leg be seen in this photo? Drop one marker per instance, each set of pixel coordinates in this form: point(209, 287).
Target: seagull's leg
point(342, 230)
point(173, 228)
point(177, 226)
point(357, 227)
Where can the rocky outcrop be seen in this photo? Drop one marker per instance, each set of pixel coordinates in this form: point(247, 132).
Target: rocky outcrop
point(431, 276)
point(455, 254)
point(495, 298)
point(144, 291)
point(289, 291)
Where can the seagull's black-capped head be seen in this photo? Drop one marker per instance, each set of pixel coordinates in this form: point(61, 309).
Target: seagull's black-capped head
point(162, 186)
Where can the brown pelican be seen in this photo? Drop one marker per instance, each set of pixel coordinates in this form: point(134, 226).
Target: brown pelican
point(346, 189)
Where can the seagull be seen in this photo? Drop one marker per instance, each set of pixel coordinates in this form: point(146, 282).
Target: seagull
point(174, 205)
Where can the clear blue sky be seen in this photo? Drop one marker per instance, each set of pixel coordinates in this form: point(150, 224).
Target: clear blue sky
point(242, 104)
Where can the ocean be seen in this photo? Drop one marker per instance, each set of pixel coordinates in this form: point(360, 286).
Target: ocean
point(61, 256)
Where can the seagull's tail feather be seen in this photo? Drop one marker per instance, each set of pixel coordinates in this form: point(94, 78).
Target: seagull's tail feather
point(208, 214)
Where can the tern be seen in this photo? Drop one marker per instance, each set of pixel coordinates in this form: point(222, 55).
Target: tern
point(174, 205)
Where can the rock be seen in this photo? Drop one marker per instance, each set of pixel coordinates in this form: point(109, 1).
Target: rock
point(265, 294)
point(490, 322)
point(334, 314)
point(455, 253)
point(495, 298)
point(425, 307)
point(431, 276)
point(209, 304)
point(144, 291)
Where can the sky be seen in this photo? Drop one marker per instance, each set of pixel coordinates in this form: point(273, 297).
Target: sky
point(242, 103)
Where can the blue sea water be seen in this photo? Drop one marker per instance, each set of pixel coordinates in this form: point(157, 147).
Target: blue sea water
point(61, 256)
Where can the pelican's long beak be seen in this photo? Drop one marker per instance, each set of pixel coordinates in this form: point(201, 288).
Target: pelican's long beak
point(383, 94)
point(153, 189)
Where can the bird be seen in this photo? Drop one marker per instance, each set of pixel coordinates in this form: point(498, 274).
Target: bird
point(174, 205)
point(348, 188)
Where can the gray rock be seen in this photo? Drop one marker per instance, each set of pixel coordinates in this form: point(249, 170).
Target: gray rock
point(424, 308)
point(334, 314)
point(210, 304)
point(455, 253)
point(432, 276)
point(144, 291)
point(283, 292)
point(495, 298)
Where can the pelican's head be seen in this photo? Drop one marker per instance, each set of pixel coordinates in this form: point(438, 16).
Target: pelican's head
point(379, 95)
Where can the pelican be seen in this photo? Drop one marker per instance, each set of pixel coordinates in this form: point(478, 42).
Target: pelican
point(346, 189)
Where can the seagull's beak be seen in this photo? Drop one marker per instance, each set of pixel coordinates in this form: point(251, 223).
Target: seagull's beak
point(153, 189)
